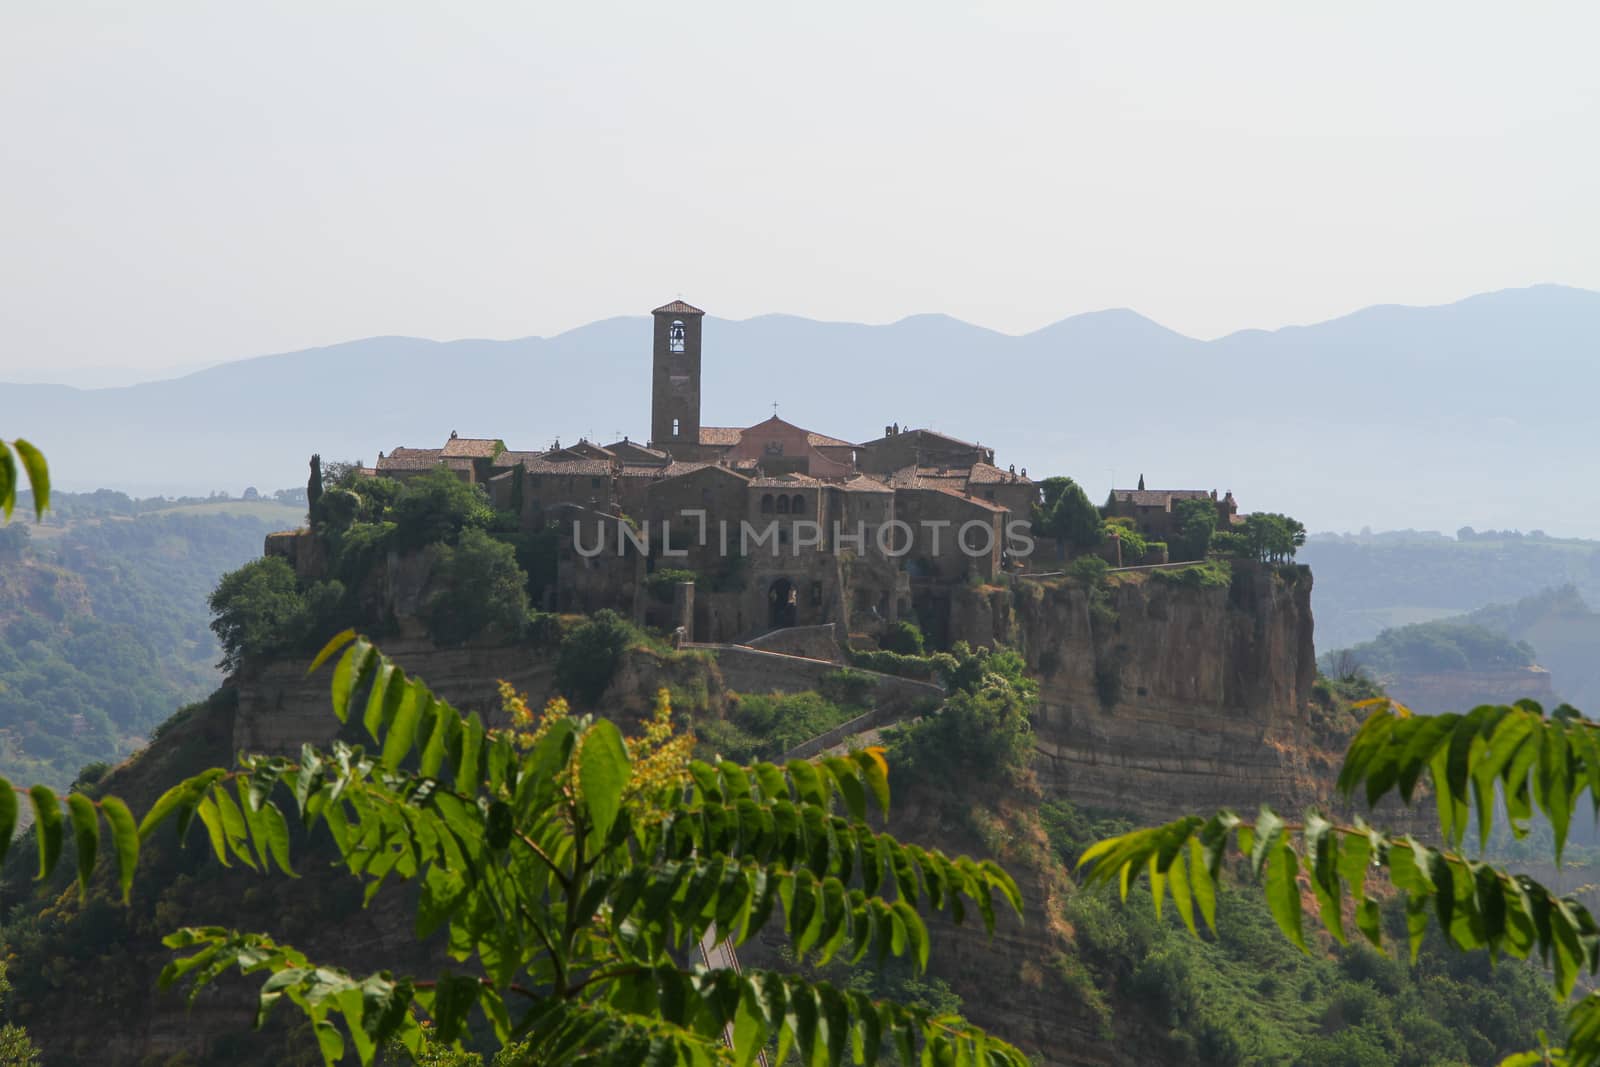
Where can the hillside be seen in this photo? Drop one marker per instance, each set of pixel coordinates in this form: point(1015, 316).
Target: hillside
point(1310, 418)
point(1369, 584)
point(104, 625)
point(1087, 983)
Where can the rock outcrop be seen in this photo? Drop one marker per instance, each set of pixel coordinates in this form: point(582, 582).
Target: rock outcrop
point(1159, 697)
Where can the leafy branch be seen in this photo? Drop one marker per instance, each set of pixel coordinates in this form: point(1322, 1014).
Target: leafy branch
point(1513, 758)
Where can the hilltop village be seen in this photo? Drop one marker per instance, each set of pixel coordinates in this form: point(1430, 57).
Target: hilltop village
point(772, 525)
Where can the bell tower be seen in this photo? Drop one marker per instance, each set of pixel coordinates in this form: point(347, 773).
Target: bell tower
point(675, 379)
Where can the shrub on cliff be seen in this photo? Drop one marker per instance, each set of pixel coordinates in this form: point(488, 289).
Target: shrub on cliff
point(903, 637)
point(259, 610)
point(984, 728)
point(477, 588)
point(590, 653)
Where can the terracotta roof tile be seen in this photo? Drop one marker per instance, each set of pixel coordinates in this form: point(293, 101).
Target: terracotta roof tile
point(1158, 498)
point(472, 447)
point(677, 307)
point(720, 435)
point(591, 467)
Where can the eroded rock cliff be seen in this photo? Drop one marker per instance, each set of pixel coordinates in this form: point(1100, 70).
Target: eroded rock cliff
point(1159, 697)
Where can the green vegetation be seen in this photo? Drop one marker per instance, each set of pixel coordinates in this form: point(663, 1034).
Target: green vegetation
point(478, 588)
point(983, 730)
point(590, 654)
point(1368, 584)
point(662, 582)
point(1433, 647)
point(1196, 523)
point(479, 584)
point(1067, 514)
point(1534, 761)
point(765, 726)
point(1247, 997)
point(1212, 574)
point(570, 867)
point(903, 638)
point(1271, 538)
point(1134, 545)
point(103, 629)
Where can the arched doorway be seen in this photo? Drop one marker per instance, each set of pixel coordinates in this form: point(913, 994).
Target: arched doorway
point(783, 606)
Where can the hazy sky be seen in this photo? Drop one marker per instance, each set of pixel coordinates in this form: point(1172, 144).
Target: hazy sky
point(186, 183)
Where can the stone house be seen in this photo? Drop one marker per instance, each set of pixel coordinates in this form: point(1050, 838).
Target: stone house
point(1155, 511)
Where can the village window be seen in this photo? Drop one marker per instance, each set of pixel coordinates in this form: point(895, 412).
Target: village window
point(594, 483)
point(816, 593)
point(783, 504)
point(798, 504)
point(766, 504)
point(674, 427)
point(675, 340)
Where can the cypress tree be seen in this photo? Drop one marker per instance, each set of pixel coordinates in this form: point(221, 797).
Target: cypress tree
point(314, 490)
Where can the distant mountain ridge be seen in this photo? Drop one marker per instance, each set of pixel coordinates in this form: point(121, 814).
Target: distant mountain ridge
point(1479, 411)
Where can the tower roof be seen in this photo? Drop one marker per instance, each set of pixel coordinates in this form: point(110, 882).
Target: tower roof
point(677, 307)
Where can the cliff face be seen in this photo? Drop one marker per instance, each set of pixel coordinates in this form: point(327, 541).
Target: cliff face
point(1166, 698)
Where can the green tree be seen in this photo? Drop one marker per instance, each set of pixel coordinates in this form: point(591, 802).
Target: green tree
point(904, 638)
point(575, 872)
point(477, 587)
point(314, 490)
point(590, 653)
point(1272, 538)
point(259, 610)
point(436, 507)
point(16, 1047)
point(1196, 521)
point(1492, 762)
point(1067, 514)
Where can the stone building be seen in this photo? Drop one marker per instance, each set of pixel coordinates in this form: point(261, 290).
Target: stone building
point(1155, 511)
point(781, 525)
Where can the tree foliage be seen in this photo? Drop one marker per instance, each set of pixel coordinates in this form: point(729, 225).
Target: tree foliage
point(590, 653)
point(1272, 538)
point(258, 610)
point(477, 588)
point(571, 871)
point(1066, 513)
point(1196, 522)
point(1515, 759)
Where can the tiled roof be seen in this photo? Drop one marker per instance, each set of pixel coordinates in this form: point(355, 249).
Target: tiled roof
point(785, 481)
point(988, 474)
point(422, 463)
point(675, 469)
point(822, 440)
point(634, 448)
point(510, 458)
point(401, 452)
point(931, 435)
point(1157, 498)
point(977, 502)
point(862, 484)
point(677, 307)
point(591, 467)
point(720, 435)
point(472, 447)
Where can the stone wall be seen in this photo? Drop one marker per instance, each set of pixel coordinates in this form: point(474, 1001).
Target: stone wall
point(750, 670)
point(814, 642)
